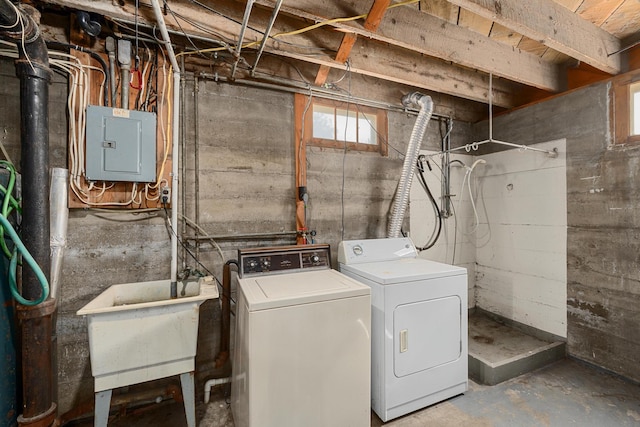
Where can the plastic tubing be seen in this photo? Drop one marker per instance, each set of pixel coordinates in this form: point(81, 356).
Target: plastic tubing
point(401, 200)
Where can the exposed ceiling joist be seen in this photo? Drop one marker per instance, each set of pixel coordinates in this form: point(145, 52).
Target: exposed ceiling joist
point(410, 29)
point(369, 58)
point(348, 40)
point(401, 66)
point(554, 26)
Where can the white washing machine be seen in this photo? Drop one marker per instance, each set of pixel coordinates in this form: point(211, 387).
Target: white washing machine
point(302, 350)
point(418, 324)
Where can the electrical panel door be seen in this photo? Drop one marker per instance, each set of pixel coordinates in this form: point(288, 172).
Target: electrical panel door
point(121, 145)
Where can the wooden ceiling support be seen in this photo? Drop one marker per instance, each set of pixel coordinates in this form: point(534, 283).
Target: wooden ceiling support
point(554, 26)
point(372, 22)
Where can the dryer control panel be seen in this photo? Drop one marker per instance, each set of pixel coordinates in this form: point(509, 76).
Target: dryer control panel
point(283, 259)
point(375, 250)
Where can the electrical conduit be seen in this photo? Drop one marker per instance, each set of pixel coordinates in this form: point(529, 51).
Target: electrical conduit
point(401, 200)
point(174, 146)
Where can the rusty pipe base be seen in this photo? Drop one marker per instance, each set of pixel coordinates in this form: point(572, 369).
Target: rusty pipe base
point(46, 419)
point(35, 328)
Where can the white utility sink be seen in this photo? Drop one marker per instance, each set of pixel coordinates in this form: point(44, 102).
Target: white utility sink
point(138, 333)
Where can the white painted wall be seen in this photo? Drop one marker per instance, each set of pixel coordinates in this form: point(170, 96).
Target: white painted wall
point(423, 220)
point(518, 252)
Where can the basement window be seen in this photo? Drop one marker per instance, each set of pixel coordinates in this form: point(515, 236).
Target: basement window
point(626, 96)
point(337, 124)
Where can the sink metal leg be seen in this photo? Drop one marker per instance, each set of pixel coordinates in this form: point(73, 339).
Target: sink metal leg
point(189, 397)
point(102, 405)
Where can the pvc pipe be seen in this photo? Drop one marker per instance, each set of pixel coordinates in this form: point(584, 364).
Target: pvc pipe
point(212, 383)
point(174, 145)
point(183, 148)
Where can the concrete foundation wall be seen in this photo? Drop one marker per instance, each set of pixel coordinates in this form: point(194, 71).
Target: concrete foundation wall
point(521, 238)
point(603, 216)
point(455, 245)
point(245, 187)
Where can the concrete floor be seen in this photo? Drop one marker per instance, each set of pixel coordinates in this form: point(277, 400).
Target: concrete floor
point(564, 393)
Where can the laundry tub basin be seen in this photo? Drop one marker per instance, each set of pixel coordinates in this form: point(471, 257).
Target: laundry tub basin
point(138, 333)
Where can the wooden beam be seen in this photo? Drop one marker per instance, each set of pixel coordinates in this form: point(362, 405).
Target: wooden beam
point(300, 150)
point(554, 26)
point(421, 32)
point(370, 58)
point(405, 67)
point(348, 40)
point(375, 15)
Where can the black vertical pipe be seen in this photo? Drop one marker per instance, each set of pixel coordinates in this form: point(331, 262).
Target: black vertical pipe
point(36, 330)
point(34, 129)
point(32, 67)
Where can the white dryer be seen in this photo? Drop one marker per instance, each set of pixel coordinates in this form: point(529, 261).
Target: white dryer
point(418, 324)
point(302, 353)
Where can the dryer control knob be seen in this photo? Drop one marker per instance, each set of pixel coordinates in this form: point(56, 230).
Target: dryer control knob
point(357, 249)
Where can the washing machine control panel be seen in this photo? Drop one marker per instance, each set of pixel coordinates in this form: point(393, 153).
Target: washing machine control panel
point(283, 259)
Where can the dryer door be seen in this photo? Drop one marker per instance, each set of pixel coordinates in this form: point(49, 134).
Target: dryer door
point(427, 334)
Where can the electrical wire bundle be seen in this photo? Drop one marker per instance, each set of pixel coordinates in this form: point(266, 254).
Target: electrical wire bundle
point(77, 102)
point(438, 227)
point(467, 180)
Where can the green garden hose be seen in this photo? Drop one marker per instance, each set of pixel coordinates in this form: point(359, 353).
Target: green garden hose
point(8, 205)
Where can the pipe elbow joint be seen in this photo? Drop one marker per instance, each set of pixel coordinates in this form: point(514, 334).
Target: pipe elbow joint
point(90, 27)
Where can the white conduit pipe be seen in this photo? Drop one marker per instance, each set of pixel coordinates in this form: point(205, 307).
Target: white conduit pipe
point(401, 200)
point(174, 145)
point(212, 383)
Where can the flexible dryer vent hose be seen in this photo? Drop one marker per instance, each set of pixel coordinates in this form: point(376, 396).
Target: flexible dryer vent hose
point(401, 200)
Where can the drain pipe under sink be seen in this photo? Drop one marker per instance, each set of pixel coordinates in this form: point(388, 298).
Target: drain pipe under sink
point(212, 383)
point(401, 200)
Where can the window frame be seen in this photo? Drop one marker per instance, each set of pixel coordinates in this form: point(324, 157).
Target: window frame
point(623, 108)
point(380, 147)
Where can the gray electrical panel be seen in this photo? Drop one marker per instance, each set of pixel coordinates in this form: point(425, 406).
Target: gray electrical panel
point(120, 145)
